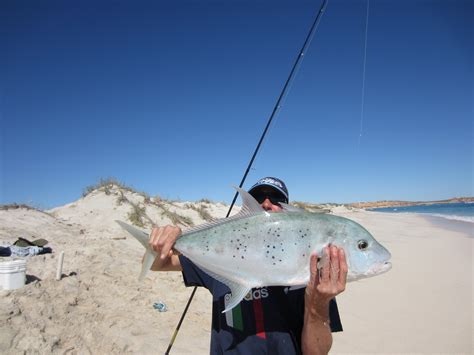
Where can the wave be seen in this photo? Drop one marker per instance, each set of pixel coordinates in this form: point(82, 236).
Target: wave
point(469, 219)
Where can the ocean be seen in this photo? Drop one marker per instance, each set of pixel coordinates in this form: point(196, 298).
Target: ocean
point(451, 211)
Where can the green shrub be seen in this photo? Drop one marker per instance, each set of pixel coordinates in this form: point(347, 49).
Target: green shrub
point(137, 215)
point(106, 185)
point(204, 213)
point(121, 199)
point(176, 218)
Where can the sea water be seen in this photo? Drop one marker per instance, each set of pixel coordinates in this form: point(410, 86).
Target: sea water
point(452, 211)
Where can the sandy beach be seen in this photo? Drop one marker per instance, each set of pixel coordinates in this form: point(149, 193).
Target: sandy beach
point(423, 305)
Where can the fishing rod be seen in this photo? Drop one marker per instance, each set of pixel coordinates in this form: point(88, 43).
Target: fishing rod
point(276, 108)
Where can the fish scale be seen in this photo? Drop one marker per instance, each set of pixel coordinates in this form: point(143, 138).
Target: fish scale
point(257, 248)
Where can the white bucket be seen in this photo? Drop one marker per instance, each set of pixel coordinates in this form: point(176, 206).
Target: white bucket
point(12, 274)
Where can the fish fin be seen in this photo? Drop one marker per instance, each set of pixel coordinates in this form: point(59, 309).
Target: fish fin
point(140, 235)
point(289, 208)
point(148, 260)
point(249, 203)
point(238, 291)
point(143, 238)
point(250, 207)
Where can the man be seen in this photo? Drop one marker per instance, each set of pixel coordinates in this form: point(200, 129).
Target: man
point(270, 320)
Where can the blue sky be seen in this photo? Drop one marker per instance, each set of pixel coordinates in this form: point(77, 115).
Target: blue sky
point(171, 97)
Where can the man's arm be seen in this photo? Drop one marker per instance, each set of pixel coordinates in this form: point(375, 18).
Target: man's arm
point(162, 240)
point(323, 286)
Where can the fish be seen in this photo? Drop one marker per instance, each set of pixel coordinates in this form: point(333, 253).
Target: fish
point(257, 248)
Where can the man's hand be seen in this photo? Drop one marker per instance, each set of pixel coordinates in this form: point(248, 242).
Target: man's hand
point(162, 240)
point(324, 284)
point(329, 281)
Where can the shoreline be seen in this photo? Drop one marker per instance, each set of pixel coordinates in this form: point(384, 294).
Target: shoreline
point(397, 203)
point(452, 225)
point(463, 227)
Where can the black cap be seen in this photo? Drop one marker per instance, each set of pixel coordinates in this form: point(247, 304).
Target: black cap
point(274, 183)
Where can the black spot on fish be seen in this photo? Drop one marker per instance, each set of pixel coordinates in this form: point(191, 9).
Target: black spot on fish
point(273, 257)
point(242, 257)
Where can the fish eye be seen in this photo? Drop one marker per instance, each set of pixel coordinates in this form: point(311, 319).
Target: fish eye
point(362, 244)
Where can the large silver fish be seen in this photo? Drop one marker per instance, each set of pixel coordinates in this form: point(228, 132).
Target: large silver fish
point(256, 248)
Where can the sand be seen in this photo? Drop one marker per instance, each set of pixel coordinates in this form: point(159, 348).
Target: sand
point(423, 305)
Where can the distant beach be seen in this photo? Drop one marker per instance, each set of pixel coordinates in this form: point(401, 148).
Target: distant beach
point(457, 217)
point(453, 211)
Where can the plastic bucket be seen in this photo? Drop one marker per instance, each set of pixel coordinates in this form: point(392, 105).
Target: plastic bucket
point(12, 274)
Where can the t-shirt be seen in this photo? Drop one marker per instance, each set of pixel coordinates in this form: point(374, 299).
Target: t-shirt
point(269, 320)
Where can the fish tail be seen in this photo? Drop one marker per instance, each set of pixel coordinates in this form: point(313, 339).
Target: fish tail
point(143, 238)
point(148, 260)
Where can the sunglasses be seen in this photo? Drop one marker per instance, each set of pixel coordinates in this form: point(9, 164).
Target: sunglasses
point(274, 198)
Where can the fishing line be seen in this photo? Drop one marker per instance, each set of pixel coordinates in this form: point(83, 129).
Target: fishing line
point(363, 84)
point(363, 75)
point(276, 108)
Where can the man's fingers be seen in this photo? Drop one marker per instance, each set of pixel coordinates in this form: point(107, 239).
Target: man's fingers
point(167, 246)
point(313, 270)
point(154, 239)
point(343, 267)
point(324, 272)
point(334, 264)
point(162, 240)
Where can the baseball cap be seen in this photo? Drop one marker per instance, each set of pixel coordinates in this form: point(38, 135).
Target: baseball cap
point(272, 182)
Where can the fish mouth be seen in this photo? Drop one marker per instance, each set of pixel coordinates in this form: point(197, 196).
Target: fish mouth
point(386, 266)
point(380, 268)
point(375, 270)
